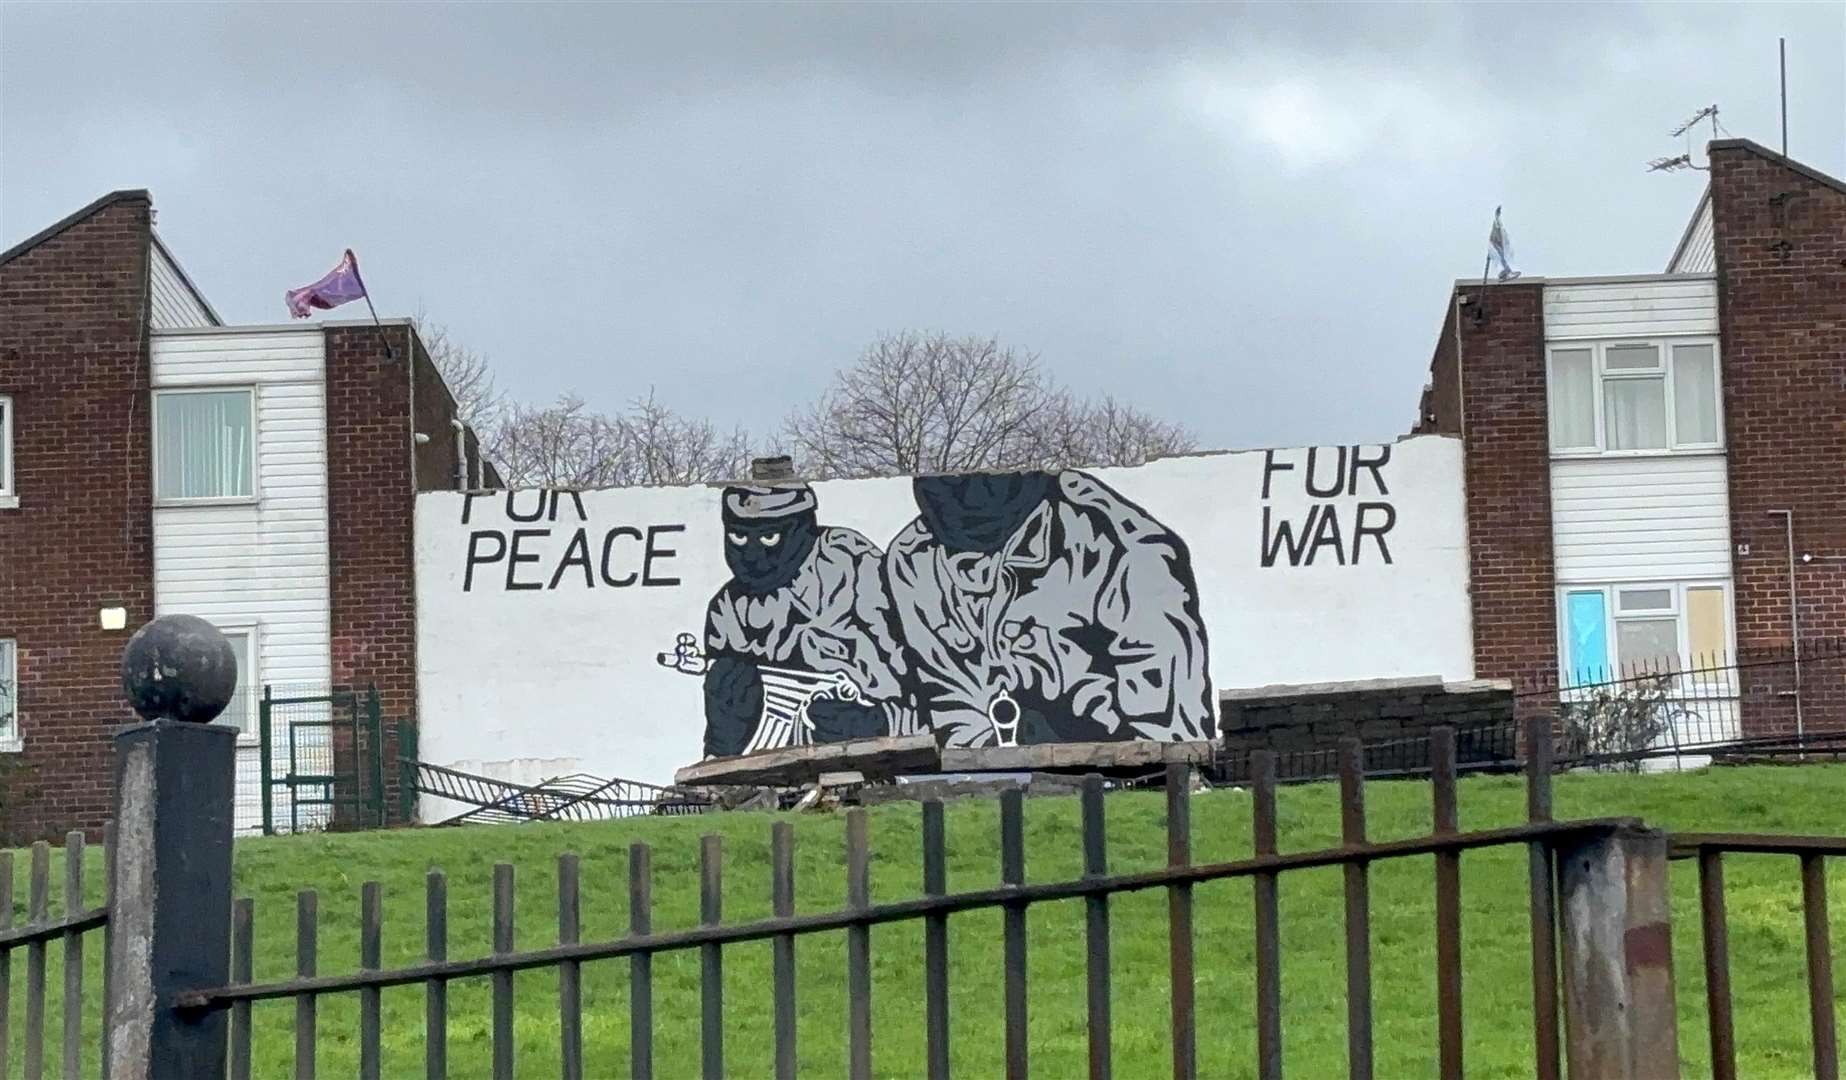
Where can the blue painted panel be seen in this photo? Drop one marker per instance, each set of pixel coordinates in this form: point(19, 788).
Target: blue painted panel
point(1587, 626)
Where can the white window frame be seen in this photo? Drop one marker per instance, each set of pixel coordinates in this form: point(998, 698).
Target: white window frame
point(10, 739)
point(9, 420)
point(256, 442)
point(1678, 610)
point(1600, 376)
point(249, 685)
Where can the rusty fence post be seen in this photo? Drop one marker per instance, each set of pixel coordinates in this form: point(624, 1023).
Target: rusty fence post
point(1619, 1018)
point(170, 898)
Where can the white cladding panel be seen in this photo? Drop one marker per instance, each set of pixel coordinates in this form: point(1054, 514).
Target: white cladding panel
point(1641, 518)
point(1627, 309)
point(564, 645)
point(264, 563)
point(171, 305)
point(1695, 255)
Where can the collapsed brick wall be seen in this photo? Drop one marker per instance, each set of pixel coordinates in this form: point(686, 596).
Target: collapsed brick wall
point(74, 359)
point(1313, 719)
point(1780, 245)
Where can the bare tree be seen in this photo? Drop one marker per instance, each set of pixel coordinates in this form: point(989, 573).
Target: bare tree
point(927, 403)
point(1106, 432)
point(568, 444)
point(478, 400)
point(922, 403)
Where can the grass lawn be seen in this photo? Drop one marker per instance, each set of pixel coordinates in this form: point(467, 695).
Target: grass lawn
point(1767, 951)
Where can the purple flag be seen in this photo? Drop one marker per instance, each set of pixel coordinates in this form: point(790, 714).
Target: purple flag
point(341, 285)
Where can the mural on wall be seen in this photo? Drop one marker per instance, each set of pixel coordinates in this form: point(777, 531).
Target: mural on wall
point(631, 631)
point(1016, 608)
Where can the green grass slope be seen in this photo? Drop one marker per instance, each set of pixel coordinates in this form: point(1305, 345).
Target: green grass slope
point(1764, 902)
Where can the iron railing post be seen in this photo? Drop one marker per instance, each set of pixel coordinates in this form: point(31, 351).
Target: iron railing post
point(265, 757)
point(1619, 1016)
point(375, 725)
point(407, 769)
point(170, 898)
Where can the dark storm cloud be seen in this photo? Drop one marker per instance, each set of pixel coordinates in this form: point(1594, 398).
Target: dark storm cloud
point(1243, 217)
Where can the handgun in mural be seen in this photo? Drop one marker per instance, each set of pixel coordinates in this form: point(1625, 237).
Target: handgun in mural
point(787, 692)
point(1040, 607)
point(798, 645)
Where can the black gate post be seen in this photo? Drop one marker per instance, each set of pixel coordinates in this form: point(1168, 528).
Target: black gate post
point(170, 898)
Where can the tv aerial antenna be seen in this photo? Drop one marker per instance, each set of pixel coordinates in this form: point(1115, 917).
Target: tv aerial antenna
point(1684, 131)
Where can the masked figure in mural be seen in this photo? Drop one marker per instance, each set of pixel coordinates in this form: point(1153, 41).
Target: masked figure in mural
point(1040, 607)
point(798, 644)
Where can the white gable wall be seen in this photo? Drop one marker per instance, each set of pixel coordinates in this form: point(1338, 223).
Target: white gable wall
point(172, 305)
point(263, 564)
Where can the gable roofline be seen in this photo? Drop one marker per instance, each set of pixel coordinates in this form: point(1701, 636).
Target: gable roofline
point(167, 254)
point(1764, 152)
point(56, 227)
point(1692, 224)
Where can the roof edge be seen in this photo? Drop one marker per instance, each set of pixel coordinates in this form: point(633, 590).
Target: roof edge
point(56, 227)
point(185, 278)
point(1764, 152)
point(1692, 224)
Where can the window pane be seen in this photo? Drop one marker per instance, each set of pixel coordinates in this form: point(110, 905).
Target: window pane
point(1631, 358)
point(1647, 645)
point(1587, 626)
point(1647, 600)
point(6, 445)
point(1635, 413)
point(1695, 393)
point(203, 446)
point(1573, 405)
point(240, 712)
point(9, 689)
point(1705, 624)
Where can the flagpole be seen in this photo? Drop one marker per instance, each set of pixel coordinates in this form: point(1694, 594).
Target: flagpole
point(390, 354)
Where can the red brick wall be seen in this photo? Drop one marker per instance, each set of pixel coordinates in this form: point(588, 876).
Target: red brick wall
point(371, 494)
point(1507, 463)
point(375, 408)
point(73, 356)
point(1780, 235)
point(1439, 409)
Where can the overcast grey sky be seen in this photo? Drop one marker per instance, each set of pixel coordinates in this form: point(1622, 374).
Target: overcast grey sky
point(1242, 217)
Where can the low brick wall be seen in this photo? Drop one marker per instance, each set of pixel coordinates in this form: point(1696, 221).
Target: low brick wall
point(1316, 716)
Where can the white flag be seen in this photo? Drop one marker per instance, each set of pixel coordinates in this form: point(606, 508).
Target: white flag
point(1500, 249)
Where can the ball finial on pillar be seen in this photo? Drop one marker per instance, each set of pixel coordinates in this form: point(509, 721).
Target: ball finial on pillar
point(179, 667)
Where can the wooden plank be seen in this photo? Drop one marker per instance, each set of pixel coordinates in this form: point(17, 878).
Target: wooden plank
point(797, 765)
point(1078, 757)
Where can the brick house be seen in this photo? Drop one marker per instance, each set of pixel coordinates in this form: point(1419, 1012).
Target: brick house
point(1656, 464)
point(154, 460)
